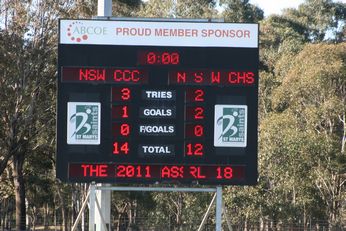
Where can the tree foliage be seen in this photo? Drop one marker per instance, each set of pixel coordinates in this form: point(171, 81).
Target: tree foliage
point(178, 9)
point(241, 11)
point(302, 132)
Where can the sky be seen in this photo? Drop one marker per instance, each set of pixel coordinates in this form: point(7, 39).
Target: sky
point(275, 6)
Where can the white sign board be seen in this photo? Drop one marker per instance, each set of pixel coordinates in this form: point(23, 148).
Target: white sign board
point(154, 33)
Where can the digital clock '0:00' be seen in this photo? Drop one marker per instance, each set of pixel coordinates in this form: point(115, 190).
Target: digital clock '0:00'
point(158, 58)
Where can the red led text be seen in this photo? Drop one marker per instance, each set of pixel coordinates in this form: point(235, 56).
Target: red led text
point(104, 75)
point(196, 172)
point(148, 172)
point(92, 74)
point(127, 76)
point(97, 170)
point(212, 77)
point(172, 172)
point(132, 171)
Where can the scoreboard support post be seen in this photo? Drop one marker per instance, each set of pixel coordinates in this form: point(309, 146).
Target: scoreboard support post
point(99, 189)
point(218, 208)
point(103, 201)
point(92, 205)
point(206, 214)
point(104, 8)
point(217, 190)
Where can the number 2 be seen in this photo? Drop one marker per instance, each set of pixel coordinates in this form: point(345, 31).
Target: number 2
point(199, 95)
point(199, 113)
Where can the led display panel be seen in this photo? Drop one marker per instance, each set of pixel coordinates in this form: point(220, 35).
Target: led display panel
point(157, 101)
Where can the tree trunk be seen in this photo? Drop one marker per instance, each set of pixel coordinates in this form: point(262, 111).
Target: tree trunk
point(261, 224)
point(304, 220)
point(45, 216)
point(55, 223)
point(4, 209)
point(63, 211)
point(19, 189)
point(64, 217)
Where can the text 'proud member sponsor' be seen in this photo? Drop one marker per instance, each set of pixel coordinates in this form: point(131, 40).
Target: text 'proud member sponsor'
point(182, 32)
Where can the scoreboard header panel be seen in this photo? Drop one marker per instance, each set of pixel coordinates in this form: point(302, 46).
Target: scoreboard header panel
point(158, 33)
point(146, 102)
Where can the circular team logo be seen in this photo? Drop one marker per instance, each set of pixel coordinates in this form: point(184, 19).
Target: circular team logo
point(76, 33)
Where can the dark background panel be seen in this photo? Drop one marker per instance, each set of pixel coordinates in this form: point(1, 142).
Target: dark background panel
point(191, 58)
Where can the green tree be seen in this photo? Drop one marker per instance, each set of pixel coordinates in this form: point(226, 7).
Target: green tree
point(313, 92)
point(179, 9)
point(26, 81)
point(318, 18)
point(126, 8)
point(241, 11)
point(129, 209)
point(178, 210)
point(281, 39)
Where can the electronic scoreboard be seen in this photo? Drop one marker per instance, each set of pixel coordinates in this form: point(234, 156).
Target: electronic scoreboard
point(157, 101)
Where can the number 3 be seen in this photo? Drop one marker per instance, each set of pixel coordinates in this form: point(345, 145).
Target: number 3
point(125, 93)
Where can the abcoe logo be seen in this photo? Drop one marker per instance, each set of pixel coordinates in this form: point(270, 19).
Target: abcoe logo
point(77, 31)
